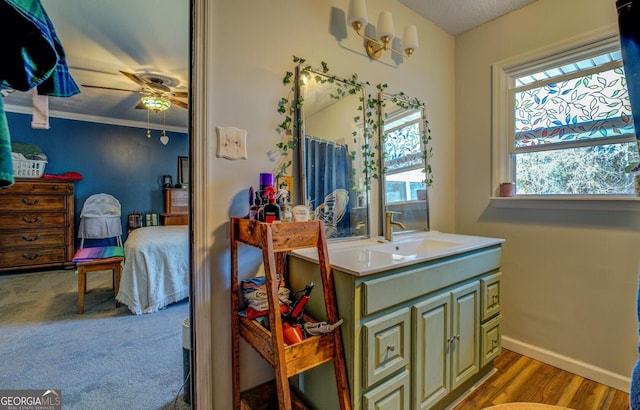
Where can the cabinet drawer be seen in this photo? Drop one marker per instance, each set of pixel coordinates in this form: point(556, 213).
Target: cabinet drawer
point(28, 257)
point(28, 238)
point(491, 299)
point(21, 220)
point(386, 345)
point(35, 203)
point(426, 279)
point(491, 340)
point(38, 186)
point(391, 395)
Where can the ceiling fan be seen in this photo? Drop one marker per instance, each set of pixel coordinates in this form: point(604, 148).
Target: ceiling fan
point(156, 91)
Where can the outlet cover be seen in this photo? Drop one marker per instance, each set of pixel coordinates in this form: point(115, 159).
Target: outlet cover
point(232, 143)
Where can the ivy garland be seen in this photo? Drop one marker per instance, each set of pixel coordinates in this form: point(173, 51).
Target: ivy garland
point(405, 102)
point(372, 167)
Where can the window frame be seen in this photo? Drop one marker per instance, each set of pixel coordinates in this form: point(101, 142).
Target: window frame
point(599, 41)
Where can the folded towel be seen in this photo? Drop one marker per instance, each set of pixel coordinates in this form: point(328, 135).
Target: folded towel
point(40, 106)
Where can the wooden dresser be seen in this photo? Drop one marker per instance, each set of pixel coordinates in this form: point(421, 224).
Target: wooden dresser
point(176, 207)
point(36, 224)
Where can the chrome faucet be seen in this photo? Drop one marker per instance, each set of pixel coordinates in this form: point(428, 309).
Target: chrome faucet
point(389, 223)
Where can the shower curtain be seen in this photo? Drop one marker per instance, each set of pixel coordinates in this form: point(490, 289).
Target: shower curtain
point(629, 26)
point(328, 168)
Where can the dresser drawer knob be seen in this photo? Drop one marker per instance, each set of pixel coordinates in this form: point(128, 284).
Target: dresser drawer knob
point(31, 221)
point(32, 256)
point(28, 239)
point(27, 202)
point(55, 187)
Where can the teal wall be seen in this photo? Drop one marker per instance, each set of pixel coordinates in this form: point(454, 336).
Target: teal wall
point(117, 160)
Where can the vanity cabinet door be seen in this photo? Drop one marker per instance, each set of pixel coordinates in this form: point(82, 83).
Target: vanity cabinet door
point(446, 331)
point(465, 343)
point(432, 334)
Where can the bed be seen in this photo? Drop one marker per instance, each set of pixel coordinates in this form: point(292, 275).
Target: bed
point(156, 268)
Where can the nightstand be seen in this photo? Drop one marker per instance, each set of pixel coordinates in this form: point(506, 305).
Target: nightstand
point(176, 207)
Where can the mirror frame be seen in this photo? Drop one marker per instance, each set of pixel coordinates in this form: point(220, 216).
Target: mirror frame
point(359, 152)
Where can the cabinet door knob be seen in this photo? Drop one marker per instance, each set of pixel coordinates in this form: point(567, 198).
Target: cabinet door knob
point(31, 239)
point(30, 203)
point(31, 221)
point(391, 348)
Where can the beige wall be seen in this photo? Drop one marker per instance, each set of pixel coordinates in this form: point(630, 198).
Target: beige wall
point(249, 48)
point(570, 277)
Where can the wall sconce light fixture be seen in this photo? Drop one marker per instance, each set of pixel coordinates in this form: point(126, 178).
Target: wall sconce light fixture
point(384, 31)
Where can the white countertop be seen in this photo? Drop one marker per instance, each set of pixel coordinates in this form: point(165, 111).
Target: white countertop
point(372, 255)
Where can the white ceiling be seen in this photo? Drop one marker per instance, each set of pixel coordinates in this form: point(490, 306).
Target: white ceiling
point(101, 38)
point(458, 16)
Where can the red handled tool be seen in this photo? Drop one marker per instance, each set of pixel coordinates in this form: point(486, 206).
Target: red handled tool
point(298, 305)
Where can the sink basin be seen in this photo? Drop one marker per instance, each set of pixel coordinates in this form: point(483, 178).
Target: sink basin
point(371, 255)
point(415, 247)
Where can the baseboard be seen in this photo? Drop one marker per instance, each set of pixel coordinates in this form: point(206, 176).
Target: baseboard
point(583, 369)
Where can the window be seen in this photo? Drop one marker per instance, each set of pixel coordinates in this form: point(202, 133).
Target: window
point(563, 122)
point(403, 157)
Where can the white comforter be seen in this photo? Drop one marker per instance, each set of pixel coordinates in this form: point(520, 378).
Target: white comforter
point(156, 268)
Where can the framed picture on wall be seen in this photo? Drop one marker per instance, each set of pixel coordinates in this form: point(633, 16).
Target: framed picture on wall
point(183, 172)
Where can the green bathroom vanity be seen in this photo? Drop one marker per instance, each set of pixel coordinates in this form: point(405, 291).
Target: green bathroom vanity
point(421, 318)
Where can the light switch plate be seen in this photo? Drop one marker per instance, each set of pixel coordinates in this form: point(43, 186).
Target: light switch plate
point(232, 143)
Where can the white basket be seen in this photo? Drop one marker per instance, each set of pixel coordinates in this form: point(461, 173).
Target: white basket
point(28, 168)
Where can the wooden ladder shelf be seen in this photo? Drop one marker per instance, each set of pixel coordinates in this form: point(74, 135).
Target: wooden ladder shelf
point(287, 360)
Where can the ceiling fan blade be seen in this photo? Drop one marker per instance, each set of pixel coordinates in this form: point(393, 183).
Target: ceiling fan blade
point(135, 78)
point(109, 88)
point(179, 103)
point(180, 94)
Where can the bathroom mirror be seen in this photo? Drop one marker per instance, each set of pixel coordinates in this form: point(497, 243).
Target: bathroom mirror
point(404, 153)
point(331, 149)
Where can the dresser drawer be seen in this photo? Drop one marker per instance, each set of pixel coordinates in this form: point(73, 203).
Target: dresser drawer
point(31, 257)
point(30, 202)
point(27, 238)
point(21, 220)
point(386, 345)
point(36, 224)
point(37, 186)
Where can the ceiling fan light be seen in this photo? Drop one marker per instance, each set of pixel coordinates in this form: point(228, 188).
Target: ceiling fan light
point(155, 103)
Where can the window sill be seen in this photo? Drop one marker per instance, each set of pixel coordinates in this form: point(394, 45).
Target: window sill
point(582, 203)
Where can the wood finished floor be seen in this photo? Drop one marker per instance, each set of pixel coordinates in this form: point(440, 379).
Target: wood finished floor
point(522, 379)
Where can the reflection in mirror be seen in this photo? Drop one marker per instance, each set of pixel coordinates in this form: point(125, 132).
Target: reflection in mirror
point(404, 154)
point(332, 142)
